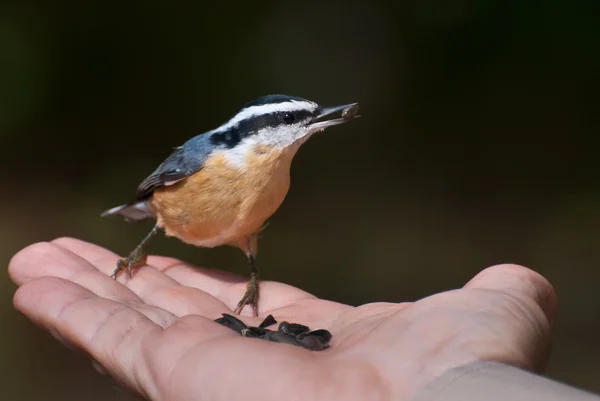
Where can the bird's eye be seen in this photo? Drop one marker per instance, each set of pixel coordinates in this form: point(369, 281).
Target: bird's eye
point(288, 118)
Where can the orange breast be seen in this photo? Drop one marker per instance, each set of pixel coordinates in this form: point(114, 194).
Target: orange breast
point(223, 203)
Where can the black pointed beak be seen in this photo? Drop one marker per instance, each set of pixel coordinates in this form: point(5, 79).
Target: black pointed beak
point(346, 112)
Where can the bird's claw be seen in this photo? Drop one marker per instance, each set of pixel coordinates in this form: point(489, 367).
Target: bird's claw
point(135, 259)
point(250, 297)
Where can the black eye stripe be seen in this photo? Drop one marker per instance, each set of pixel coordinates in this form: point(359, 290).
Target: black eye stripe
point(252, 125)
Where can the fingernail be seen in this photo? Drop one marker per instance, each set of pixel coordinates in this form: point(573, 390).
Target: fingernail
point(99, 368)
point(60, 339)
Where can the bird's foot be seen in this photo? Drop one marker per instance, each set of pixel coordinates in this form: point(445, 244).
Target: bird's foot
point(135, 259)
point(250, 297)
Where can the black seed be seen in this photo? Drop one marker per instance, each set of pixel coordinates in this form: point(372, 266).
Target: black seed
point(254, 332)
point(232, 322)
point(269, 320)
point(292, 328)
point(281, 337)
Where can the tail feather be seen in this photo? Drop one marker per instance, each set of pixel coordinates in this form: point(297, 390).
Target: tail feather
point(131, 211)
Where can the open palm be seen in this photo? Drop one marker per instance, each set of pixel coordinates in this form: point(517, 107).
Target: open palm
point(155, 333)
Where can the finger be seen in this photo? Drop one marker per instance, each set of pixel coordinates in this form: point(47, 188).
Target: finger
point(212, 281)
point(519, 281)
point(149, 284)
point(112, 333)
point(46, 259)
point(103, 259)
point(273, 296)
point(227, 287)
point(208, 280)
point(154, 288)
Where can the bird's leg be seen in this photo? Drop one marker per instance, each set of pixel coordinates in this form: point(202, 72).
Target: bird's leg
point(251, 295)
point(135, 258)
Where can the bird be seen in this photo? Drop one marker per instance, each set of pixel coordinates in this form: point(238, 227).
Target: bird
point(220, 187)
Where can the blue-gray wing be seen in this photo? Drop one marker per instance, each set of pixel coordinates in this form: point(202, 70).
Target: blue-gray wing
point(182, 163)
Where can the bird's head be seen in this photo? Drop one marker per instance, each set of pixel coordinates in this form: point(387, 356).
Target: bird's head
point(277, 122)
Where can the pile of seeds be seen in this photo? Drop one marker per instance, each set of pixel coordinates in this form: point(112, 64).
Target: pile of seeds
point(288, 333)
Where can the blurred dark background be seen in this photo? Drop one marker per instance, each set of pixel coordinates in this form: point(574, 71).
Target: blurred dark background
point(477, 146)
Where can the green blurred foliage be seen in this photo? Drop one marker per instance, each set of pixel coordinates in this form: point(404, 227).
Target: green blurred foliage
point(478, 145)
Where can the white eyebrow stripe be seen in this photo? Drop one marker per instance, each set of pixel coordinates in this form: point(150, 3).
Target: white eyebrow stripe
point(253, 111)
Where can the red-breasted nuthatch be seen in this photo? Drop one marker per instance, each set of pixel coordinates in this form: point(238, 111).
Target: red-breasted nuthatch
point(220, 187)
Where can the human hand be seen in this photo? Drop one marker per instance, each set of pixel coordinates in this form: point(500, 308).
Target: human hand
point(155, 333)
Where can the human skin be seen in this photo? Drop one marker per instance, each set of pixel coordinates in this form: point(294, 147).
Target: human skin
point(155, 333)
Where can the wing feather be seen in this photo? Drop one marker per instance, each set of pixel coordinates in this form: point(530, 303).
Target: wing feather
point(182, 163)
